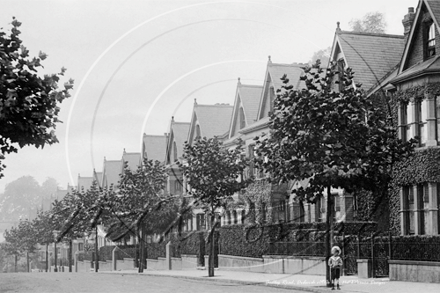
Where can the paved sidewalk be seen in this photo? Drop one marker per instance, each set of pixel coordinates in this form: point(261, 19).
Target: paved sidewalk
point(308, 283)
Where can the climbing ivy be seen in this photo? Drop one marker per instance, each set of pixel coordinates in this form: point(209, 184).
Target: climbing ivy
point(422, 167)
point(418, 92)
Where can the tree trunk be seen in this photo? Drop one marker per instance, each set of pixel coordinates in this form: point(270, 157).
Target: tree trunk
point(212, 245)
point(27, 261)
point(144, 248)
point(16, 260)
point(96, 251)
point(328, 225)
point(70, 256)
point(136, 250)
point(141, 250)
point(47, 257)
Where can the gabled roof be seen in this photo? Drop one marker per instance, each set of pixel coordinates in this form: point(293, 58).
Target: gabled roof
point(61, 193)
point(247, 97)
point(84, 183)
point(97, 176)
point(423, 67)
point(111, 173)
point(431, 65)
point(134, 160)
point(272, 80)
point(213, 120)
point(177, 137)
point(154, 147)
point(370, 55)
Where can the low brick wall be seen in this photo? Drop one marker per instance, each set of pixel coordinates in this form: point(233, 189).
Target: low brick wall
point(238, 263)
point(189, 261)
point(306, 265)
point(162, 263)
point(105, 266)
point(84, 266)
point(414, 271)
point(176, 263)
point(274, 264)
point(152, 264)
point(126, 264)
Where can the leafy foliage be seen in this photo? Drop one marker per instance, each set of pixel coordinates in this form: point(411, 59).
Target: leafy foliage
point(20, 239)
point(213, 172)
point(372, 22)
point(29, 104)
point(141, 201)
point(332, 138)
point(323, 55)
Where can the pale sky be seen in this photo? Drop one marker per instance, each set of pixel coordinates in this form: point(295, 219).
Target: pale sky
point(137, 63)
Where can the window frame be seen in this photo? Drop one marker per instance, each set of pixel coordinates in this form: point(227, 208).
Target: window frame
point(430, 34)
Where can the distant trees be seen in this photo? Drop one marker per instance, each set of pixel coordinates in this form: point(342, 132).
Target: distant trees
point(372, 22)
point(29, 103)
point(323, 55)
point(20, 240)
point(24, 196)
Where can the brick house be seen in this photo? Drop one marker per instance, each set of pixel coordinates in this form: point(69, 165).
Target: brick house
point(374, 58)
point(415, 91)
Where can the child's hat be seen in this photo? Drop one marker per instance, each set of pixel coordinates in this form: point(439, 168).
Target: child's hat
point(336, 248)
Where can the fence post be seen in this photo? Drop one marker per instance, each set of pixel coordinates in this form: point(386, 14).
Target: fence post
point(114, 260)
point(372, 256)
point(358, 245)
point(390, 247)
point(343, 255)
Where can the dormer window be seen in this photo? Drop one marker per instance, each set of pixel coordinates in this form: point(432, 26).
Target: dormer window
point(341, 69)
point(242, 119)
point(430, 41)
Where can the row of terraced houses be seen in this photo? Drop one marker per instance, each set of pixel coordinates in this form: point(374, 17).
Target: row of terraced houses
point(401, 71)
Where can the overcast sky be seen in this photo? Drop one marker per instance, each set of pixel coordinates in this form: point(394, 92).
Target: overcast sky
point(137, 63)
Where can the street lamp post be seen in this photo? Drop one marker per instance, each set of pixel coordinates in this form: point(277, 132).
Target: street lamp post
point(55, 234)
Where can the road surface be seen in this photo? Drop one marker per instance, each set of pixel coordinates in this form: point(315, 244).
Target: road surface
point(126, 283)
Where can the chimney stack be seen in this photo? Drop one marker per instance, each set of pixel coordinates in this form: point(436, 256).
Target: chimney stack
point(407, 21)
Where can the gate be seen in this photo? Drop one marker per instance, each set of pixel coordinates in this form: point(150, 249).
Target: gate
point(376, 248)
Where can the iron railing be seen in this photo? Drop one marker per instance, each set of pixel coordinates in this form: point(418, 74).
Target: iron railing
point(297, 248)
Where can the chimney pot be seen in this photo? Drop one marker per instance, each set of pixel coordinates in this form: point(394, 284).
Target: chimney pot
point(408, 20)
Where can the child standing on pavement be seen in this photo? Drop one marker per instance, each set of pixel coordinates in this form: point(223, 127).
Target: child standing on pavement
point(335, 264)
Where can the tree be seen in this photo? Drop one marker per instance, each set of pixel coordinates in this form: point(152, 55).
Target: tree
point(20, 199)
point(372, 22)
point(43, 226)
point(12, 244)
point(323, 55)
point(29, 103)
point(330, 138)
point(20, 240)
point(214, 174)
point(74, 216)
point(140, 204)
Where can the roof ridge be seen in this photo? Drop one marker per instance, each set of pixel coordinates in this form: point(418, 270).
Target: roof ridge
point(288, 64)
point(371, 34)
point(154, 135)
point(251, 85)
point(216, 105)
point(188, 123)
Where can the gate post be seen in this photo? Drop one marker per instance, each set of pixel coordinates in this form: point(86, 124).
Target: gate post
point(344, 268)
point(358, 245)
point(372, 256)
point(390, 247)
